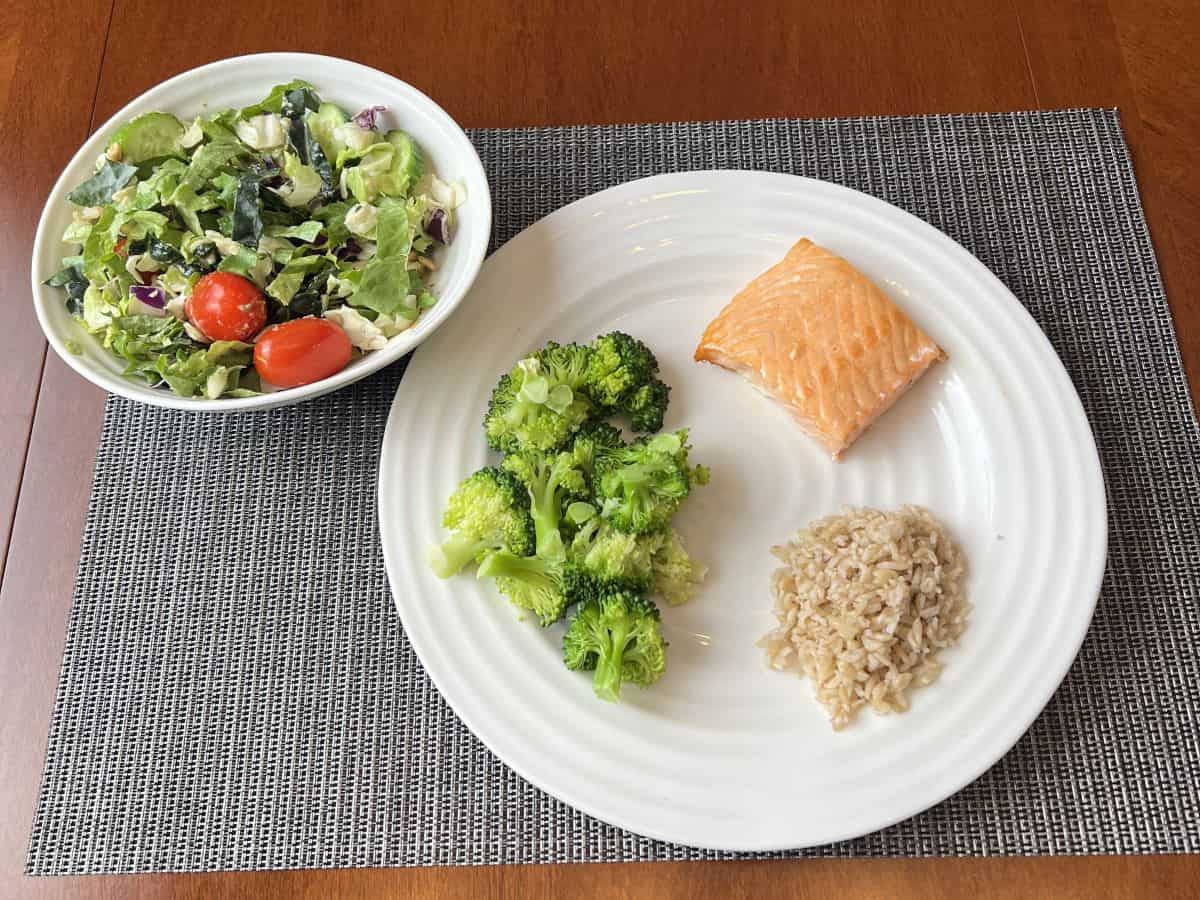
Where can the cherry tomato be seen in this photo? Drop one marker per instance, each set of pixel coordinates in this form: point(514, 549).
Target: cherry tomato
point(226, 307)
point(119, 248)
point(301, 351)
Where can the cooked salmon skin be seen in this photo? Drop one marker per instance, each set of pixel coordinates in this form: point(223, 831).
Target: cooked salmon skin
point(817, 335)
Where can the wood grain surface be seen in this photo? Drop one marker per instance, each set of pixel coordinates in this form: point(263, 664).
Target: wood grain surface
point(65, 67)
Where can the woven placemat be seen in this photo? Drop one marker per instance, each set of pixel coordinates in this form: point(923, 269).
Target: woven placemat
point(237, 691)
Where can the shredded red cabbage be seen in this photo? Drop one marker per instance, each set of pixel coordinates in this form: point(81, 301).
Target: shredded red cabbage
point(151, 296)
point(437, 226)
point(366, 118)
point(348, 250)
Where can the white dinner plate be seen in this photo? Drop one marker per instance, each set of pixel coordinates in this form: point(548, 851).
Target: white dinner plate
point(722, 752)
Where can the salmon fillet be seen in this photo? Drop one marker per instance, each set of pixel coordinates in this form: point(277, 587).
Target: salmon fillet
point(817, 335)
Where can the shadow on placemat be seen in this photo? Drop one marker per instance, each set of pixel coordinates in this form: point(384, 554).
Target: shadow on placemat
point(237, 692)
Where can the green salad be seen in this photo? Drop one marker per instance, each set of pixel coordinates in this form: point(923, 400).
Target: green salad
point(576, 522)
point(199, 243)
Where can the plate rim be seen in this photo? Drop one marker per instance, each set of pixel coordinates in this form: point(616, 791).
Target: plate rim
point(1093, 488)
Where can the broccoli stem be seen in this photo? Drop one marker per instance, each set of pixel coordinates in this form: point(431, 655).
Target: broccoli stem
point(530, 582)
point(607, 681)
point(545, 505)
point(548, 540)
point(450, 558)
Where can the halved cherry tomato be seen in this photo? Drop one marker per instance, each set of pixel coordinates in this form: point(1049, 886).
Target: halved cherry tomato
point(301, 351)
point(226, 307)
point(119, 248)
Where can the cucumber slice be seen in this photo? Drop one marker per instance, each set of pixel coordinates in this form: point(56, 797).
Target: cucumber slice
point(149, 136)
point(408, 165)
point(323, 124)
point(361, 187)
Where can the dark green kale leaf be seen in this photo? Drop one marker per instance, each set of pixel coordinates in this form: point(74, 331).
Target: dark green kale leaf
point(99, 189)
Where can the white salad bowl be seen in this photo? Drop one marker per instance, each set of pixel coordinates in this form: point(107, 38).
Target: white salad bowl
point(242, 81)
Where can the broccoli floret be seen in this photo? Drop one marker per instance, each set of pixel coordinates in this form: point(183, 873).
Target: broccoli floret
point(551, 481)
point(619, 365)
point(532, 410)
point(593, 439)
point(489, 510)
point(675, 575)
point(566, 363)
point(530, 582)
point(545, 587)
point(621, 379)
point(613, 555)
point(647, 405)
point(641, 486)
point(618, 636)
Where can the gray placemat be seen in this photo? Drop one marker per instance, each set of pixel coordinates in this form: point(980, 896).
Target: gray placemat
point(237, 691)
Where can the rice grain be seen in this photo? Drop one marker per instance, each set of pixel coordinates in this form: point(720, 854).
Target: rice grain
point(864, 602)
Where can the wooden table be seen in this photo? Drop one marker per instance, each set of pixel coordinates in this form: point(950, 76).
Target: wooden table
point(65, 67)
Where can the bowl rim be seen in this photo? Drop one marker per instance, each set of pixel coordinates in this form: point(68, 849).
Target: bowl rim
point(376, 360)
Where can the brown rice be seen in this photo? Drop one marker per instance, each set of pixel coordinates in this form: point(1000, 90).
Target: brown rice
point(864, 602)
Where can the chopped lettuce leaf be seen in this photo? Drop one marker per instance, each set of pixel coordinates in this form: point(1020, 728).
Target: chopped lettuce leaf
point(175, 282)
point(157, 189)
point(263, 132)
point(353, 139)
point(98, 310)
point(449, 195)
point(385, 279)
point(333, 217)
point(361, 220)
point(140, 339)
point(279, 249)
point(395, 233)
point(249, 264)
point(210, 372)
point(99, 260)
point(189, 204)
point(366, 180)
point(363, 333)
point(305, 182)
point(220, 127)
point(123, 199)
point(209, 159)
point(77, 232)
point(393, 325)
point(285, 285)
point(273, 102)
point(192, 135)
point(342, 284)
point(224, 245)
point(225, 185)
point(137, 224)
point(374, 159)
point(305, 231)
